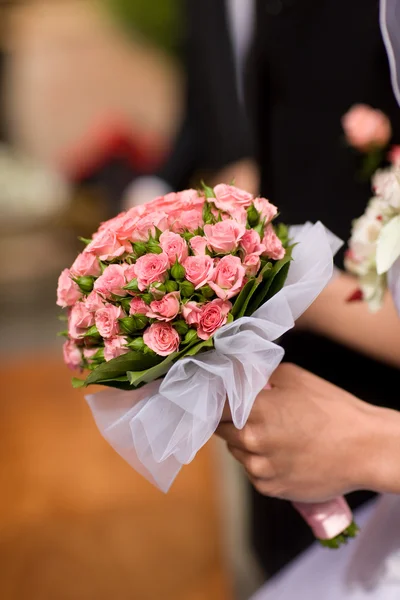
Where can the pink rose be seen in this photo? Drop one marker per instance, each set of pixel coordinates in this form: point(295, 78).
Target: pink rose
point(94, 302)
point(86, 265)
point(230, 198)
point(107, 320)
point(165, 309)
point(72, 355)
point(273, 244)
point(162, 338)
point(89, 353)
point(224, 237)
point(124, 225)
point(107, 246)
point(174, 246)
point(79, 320)
point(138, 307)
point(114, 347)
point(180, 201)
point(109, 224)
point(199, 269)
point(186, 220)
point(252, 264)
point(191, 312)
point(251, 242)
point(147, 224)
point(129, 272)
point(366, 128)
point(150, 268)
point(213, 316)
point(111, 282)
point(68, 291)
point(198, 245)
point(228, 277)
point(267, 210)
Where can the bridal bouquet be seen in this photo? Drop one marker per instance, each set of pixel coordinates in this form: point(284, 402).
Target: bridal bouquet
point(374, 247)
point(176, 306)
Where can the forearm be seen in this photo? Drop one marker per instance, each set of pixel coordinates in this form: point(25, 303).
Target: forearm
point(352, 324)
point(381, 466)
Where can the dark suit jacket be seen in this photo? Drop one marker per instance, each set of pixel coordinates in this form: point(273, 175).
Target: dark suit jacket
point(312, 60)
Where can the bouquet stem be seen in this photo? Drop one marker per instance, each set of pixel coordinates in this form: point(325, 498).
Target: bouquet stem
point(331, 522)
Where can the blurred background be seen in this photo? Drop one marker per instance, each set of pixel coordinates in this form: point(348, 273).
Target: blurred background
point(91, 96)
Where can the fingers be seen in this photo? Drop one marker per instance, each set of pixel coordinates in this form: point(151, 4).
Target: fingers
point(257, 467)
point(248, 439)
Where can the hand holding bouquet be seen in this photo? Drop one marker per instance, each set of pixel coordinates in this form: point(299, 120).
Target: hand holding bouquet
point(194, 287)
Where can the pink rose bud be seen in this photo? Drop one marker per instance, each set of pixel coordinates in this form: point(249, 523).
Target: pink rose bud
point(162, 338)
point(165, 309)
point(198, 245)
point(273, 245)
point(79, 320)
point(213, 316)
point(229, 198)
point(191, 312)
point(138, 307)
point(251, 243)
point(86, 265)
point(174, 247)
point(94, 302)
point(228, 277)
point(366, 128)
point(199, 269)
point(106, 320)
point(151, 268)
point(106, 245)
point(252, 264)
point(112, 282)
point(267, 210)
point(224, 237)
point(72, 355)
point(115, 347)
point(68, 291)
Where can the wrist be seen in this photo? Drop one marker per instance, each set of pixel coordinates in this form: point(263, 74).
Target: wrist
point(380, 469)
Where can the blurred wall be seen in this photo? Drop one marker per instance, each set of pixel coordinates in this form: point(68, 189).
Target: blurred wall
point(71, 66)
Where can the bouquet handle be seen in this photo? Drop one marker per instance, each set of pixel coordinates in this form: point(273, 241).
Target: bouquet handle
point(331, 522)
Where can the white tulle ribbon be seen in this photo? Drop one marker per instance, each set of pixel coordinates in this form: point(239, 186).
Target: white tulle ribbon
point(162, 426)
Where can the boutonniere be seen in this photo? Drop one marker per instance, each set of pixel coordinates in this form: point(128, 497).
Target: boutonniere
point(368, 131)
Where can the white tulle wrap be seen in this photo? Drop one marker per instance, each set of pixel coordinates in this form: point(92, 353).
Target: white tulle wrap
point(160, 427)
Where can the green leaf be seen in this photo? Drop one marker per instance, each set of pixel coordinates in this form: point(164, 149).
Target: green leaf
point(63, 333)
point(282, 232)
point(138, 378)
point(139, 249)
point(77, 383)
point(86, 241)
point(241, 298)
point(118, 367)
point(92, 332)
point(269, 287)
point(62, 318)
point(208, 192)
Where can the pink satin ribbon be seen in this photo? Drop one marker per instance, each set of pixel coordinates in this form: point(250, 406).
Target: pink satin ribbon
point(326, 519)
